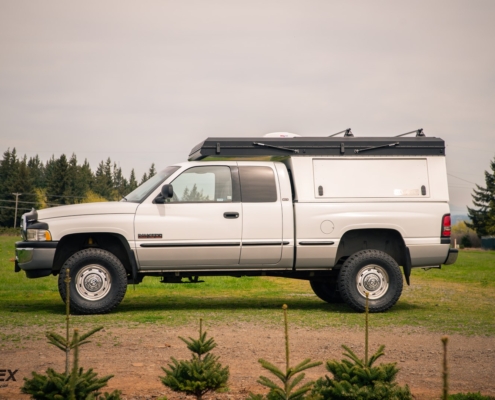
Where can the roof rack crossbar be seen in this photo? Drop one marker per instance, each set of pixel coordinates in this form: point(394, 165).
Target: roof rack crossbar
point(347, 133)
point(418, 132)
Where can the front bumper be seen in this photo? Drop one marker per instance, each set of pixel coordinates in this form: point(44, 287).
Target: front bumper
point(451, 256)
point(35, 258)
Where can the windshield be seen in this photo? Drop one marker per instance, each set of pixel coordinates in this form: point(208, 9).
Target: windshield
point(143, 191)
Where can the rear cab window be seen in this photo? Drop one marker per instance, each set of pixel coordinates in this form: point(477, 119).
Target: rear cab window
point(258, 184)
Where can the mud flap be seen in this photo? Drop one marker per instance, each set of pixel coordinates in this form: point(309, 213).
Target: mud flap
point(407, 266)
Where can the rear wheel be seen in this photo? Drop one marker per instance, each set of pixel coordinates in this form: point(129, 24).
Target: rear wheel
point(98, 281)
point(326, 289)
point(373, 272)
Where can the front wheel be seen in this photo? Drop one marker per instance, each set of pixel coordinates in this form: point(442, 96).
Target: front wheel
point(98, 281)
point(373, 272)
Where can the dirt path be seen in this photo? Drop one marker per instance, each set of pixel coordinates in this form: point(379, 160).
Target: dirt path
point(135, 355)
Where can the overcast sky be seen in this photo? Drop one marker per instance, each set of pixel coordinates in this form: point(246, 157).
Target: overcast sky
point(145, 81)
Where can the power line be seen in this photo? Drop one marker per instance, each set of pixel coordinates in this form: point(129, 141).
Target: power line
point(48, 195)
point(461, 179)
point(33, 202)
point(13, 208)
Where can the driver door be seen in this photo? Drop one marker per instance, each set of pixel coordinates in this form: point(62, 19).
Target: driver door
point(200, 226)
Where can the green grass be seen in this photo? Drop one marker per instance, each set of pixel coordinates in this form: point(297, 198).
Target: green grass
point(456, 299)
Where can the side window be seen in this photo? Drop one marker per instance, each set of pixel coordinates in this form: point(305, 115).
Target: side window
point(257, 185)
point(203, 184)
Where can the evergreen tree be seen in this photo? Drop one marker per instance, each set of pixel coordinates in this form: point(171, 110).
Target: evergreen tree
point(24, 184)
point(132, 182)
point(72, 176)
point(355, 378)
point(290, 378)
point(7, 172)
point(57, 180)
point(103, 184)
point(120, 184)
point(85, 179)
point(200, 375)
point(37, 172)
point(483, 216)
point(152, 171)
point(14, 178)
point(49, 172)
point(144, 178)
point(75, 384)
point(54, 385)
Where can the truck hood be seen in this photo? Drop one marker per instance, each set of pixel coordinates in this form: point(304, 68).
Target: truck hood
point(111, 207)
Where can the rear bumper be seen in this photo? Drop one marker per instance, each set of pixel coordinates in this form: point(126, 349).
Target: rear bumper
point(426, 255)
point(35, 258)
point(451, 257)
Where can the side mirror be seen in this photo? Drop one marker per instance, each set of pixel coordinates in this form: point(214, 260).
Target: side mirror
point(167, 191)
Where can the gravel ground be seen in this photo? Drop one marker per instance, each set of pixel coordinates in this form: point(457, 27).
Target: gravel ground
point(134, 355)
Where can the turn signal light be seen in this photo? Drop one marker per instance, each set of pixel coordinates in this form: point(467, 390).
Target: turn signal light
point(38, 235)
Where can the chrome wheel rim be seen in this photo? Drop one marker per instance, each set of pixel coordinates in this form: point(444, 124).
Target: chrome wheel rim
point(374, 280)
point(93, 282)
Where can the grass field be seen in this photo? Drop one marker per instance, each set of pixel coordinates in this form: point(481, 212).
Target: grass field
point(456, 299)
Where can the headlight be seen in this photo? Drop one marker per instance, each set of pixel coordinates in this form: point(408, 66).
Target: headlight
point(23, 227)
point(38, 235)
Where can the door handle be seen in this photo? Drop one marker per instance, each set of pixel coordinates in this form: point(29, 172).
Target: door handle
point(231, 215)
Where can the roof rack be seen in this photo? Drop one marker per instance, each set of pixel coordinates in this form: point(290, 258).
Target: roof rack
point(239, 147)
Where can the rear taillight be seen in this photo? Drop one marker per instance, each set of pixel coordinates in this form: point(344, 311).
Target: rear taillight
point(446, 225)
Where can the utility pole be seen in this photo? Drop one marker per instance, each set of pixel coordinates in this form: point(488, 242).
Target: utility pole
point(16, 200)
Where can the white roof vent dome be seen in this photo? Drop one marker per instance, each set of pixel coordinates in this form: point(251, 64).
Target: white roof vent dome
point(281, 135)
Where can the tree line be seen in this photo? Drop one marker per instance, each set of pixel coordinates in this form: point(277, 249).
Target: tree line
point(63, 180)
point(482, 215)
point(58, 181)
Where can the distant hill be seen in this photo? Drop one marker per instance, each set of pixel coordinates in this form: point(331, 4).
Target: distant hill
point(458, 217)
point(458, 213)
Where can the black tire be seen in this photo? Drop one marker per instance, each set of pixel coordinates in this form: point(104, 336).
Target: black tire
point(326, 289)
point(375, 272)
point(98, 281)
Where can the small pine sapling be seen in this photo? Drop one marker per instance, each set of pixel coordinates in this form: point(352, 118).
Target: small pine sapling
point(289, 378)
point(78, 385)
point(356, 378)
point(199, 375)
point(75, 385)
point(67, 344)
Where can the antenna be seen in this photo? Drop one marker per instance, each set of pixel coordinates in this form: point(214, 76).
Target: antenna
point(418, 132)
point(346, 132)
